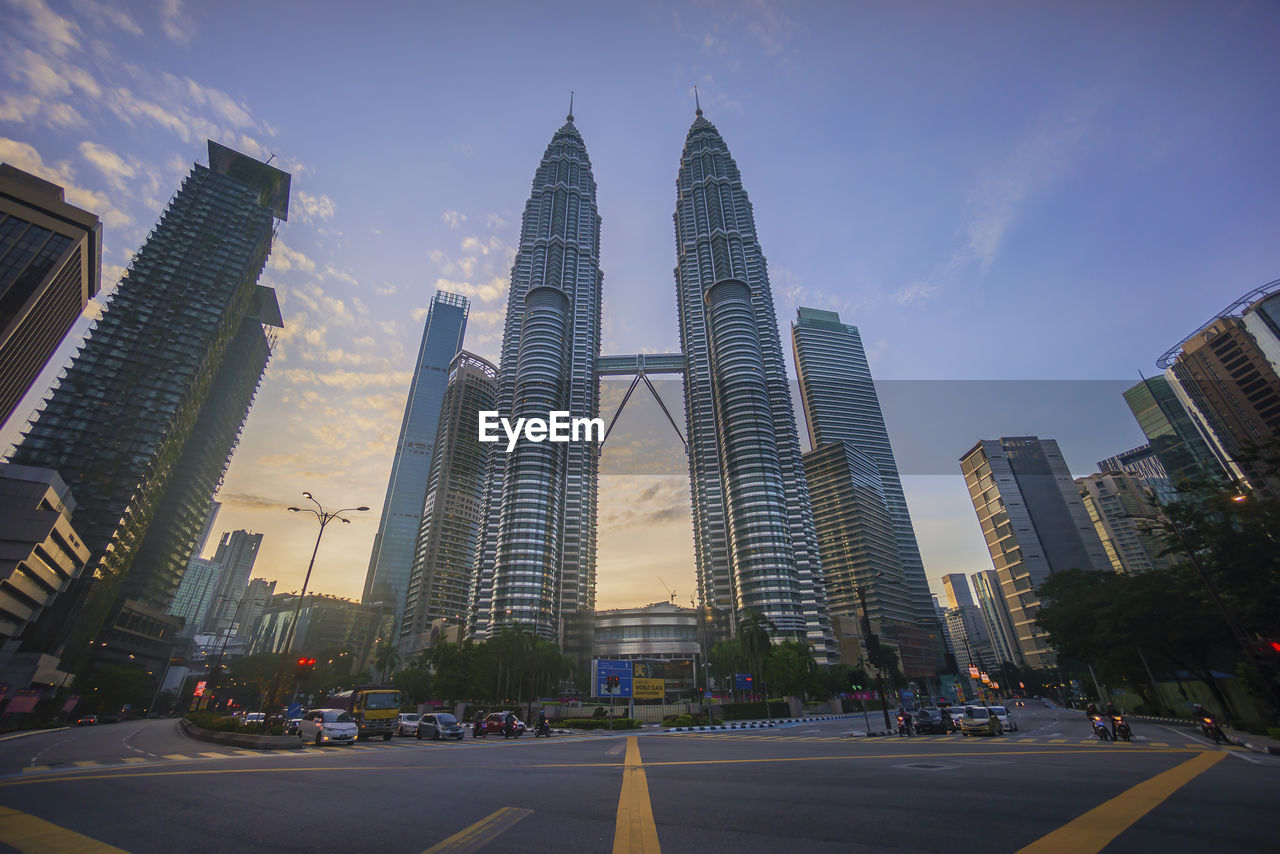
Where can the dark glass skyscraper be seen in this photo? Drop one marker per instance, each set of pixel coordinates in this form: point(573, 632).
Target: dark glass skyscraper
point(392, 559)
point(444, 561)
point(537, 561)
point(841, 405)
point(143, 424)
point(754, 535)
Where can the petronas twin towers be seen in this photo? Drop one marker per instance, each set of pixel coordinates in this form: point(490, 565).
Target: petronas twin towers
point(753, 526)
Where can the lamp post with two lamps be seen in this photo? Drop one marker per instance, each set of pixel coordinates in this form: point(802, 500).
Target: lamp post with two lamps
point(324, 517)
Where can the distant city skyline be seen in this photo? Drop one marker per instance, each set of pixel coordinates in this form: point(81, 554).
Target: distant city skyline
point(1049, 194)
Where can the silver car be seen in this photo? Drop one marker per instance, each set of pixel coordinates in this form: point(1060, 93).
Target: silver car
point(438, 726)
point(328, 726)
point(407, 723)
point(1007, 721)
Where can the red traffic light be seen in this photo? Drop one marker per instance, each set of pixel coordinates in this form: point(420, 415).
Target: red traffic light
point(1275, 646)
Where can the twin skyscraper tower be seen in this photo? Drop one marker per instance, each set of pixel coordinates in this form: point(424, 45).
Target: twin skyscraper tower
point(754, 535)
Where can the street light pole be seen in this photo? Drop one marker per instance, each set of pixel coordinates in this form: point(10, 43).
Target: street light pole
point(324, 517)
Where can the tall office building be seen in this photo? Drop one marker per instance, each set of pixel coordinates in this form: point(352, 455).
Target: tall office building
point(1227, 375)
point(143, 425)
point(956, 585)
point(440, 585)
point(971, 639)
point(1034, 524)
point(253, 603)
point(754, 535)
point(195, 594)
point(537, 561)
point(393, 546)
point(995, 611)
point(50, 267)
point(1121, 509)
point(1172, 435)
point(236, 554)
point(841, 405)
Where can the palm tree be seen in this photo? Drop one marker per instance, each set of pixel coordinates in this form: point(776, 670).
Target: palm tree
point(753, 634)
point(385, 657)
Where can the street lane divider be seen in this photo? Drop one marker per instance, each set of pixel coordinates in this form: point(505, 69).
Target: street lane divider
point(33, 835)
point(481, 833)
point(634, 830)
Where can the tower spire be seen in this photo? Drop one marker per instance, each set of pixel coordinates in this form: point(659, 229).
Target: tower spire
point(696, 103)
point(570, 116)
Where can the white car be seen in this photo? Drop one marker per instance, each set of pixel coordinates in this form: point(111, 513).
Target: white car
point(407, 723)
point(328, 726)
point(1007, 721)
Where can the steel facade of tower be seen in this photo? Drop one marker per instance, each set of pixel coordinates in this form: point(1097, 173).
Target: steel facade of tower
point(444, 561)
point(841, 405)
point(391, 561)
point(537, 562)
point(754, 536)
point(143, 424)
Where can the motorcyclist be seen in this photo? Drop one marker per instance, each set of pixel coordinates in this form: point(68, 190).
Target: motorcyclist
point(543, 727)
point(1113, 715)
point(509, 725)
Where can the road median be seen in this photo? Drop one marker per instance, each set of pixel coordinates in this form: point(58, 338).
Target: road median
point(247, 740)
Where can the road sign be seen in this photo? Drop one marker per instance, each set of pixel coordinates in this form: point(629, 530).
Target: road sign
point(602, 669)
point(743, 682)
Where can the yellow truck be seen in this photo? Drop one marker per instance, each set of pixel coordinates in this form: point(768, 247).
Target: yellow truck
point(376, 708)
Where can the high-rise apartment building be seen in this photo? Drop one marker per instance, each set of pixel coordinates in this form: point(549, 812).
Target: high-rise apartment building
point(50, 267)
point(236, 554)
point(1227, 375)
point(393, 546)
point(841, 405)
point(537, 561)
point(1122, 510)
point(195, 594)
point(1034, 523)
point(440, 585)
point(754, 536)
point(143, 424)
point(257, 594)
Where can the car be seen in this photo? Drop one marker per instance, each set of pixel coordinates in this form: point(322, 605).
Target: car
point(291, 726)
point(407, 723)
point(253, 718)
point(980, 720)
point(951, 715)
point(929, 719)
point(438, 726)
point(328, 726)
point(1007, 721)
point(87, 720)
point(493, 724)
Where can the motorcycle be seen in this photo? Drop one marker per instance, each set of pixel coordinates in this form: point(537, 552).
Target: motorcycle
point(1211, 729)
point(478, 730)
point(904, 726)
point(1120, 728)
point(1100, 727)
point(543, 728)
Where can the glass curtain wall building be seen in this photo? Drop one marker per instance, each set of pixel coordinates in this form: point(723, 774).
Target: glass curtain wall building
point(50, 267)
point(143, 423)
point(537, 562)
point(841, 405)
point(391, 561)
point(441, 581)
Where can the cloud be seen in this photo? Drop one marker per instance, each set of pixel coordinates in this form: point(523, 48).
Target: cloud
point(253, 502)
point(56, 32)
point(129, 107)
point(283, 258)
point(25, 108)
point(319, 207)
point(110, 164)
point(174, 21)
point(917, 292)
point(25, 157)
point(220, 102)
point(103, 16)
point(453, 218)
point(489, 291)
point(349, 380)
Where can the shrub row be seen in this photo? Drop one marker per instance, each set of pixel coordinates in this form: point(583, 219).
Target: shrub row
point(600, 723)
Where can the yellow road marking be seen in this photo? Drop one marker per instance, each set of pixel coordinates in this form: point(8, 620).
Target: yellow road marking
point(133, 760)
point(1158, 743)
point(175, 756)
point(634, 832)
point(87, 763)
point(213, 755)
point(1095, 830)
point(1025, 740)
point(30, 834)
point(1057, 741)
point(36, 768)
point(481, 833)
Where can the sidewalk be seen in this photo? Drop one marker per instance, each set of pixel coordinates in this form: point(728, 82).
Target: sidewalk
point(1256, 743)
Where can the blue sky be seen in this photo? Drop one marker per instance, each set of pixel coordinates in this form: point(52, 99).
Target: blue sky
point(1057, 191)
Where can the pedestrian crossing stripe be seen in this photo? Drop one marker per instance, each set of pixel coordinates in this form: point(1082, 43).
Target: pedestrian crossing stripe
point(132, 760)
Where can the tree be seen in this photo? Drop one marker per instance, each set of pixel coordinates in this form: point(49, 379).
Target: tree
point(791, 671)
point(415, 683)
point(385, 658)
point(754, 638)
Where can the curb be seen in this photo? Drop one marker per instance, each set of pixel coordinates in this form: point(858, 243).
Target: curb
point(758, 724)
point(241, 739)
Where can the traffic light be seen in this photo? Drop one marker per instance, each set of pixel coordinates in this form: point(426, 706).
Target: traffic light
point(305, 666)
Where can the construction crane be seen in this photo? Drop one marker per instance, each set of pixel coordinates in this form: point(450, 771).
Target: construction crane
point(669, 589)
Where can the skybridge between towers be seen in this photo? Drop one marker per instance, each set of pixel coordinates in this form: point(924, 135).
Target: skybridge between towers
point(639, 367)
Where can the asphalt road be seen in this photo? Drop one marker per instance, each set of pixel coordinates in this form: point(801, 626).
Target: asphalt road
point(144, 786)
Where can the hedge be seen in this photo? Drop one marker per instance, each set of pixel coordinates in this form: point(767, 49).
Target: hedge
point(600, 723)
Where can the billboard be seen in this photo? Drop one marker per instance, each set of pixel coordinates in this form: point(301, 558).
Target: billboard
point(648, 689)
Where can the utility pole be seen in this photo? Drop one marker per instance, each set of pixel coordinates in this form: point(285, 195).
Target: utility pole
point(873, 650)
